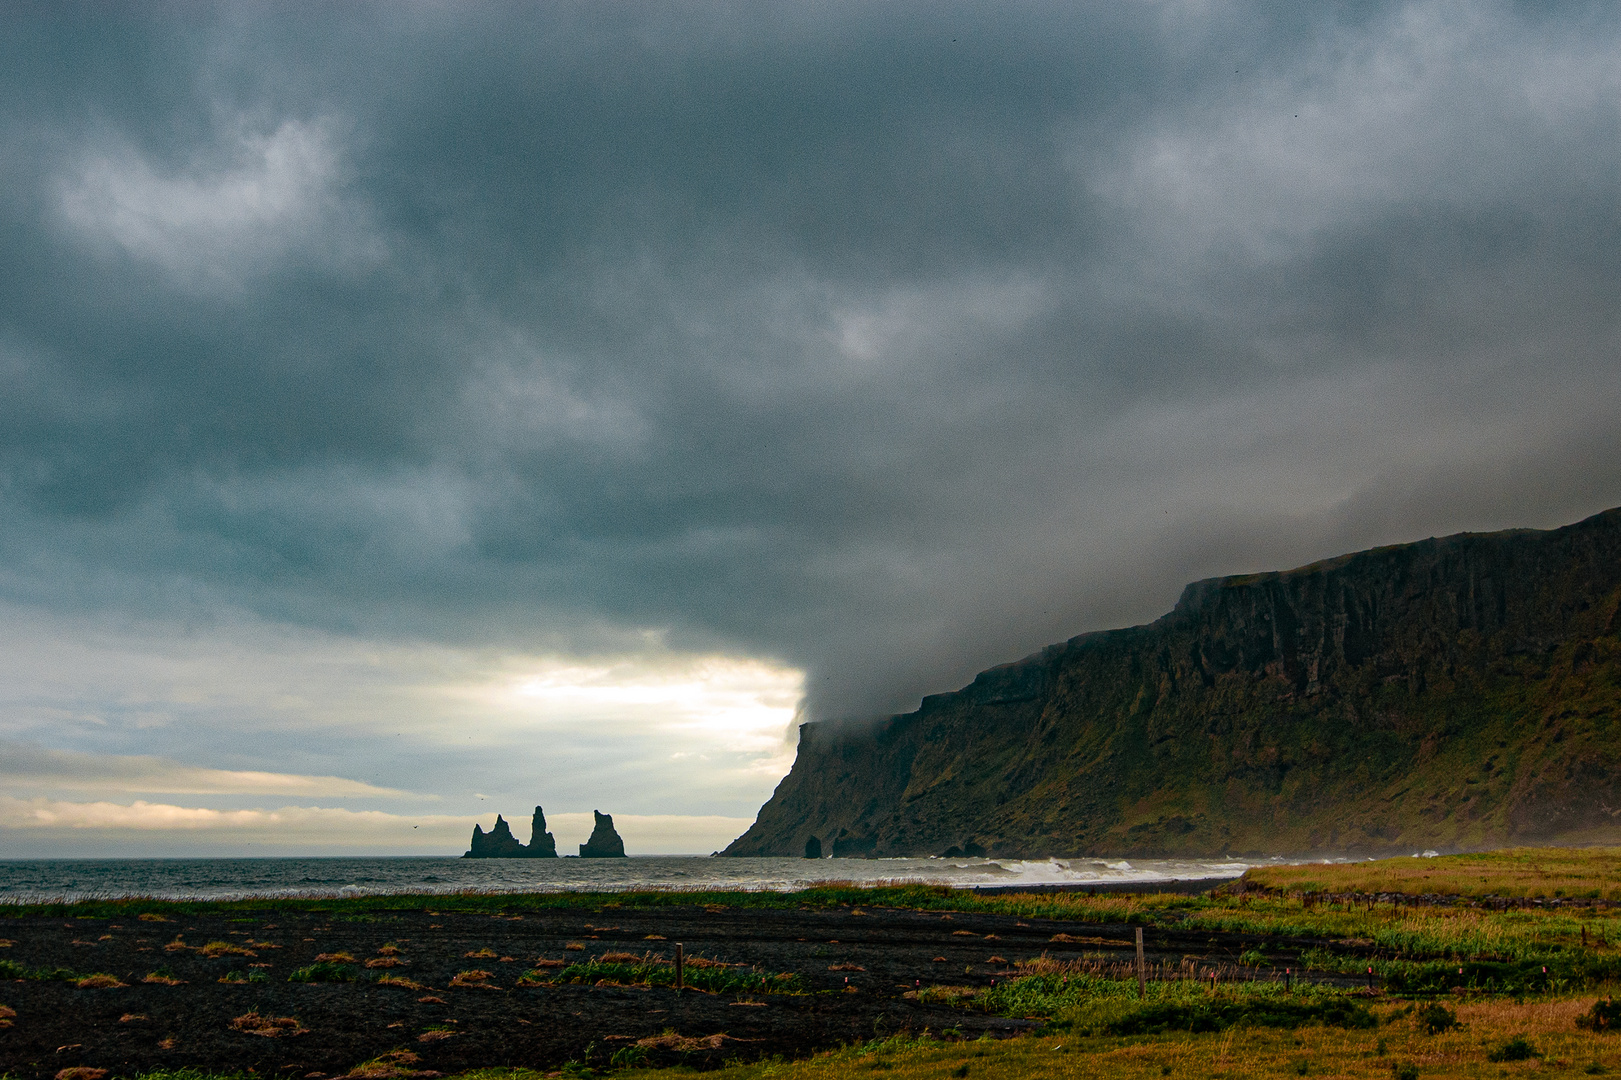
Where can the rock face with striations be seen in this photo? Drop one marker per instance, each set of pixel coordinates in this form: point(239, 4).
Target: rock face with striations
point(1454, 693)
point(604, 842)
point(499, 843)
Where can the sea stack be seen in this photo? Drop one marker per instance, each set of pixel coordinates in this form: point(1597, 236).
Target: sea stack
point(604, 842)
point(499, 843)
point(542, 845)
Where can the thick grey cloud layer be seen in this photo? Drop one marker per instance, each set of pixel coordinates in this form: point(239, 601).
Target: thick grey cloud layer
point(889, 342)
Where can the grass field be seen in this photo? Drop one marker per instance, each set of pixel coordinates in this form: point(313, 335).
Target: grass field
point(1574, 873)
point(1465, 989)
point(1398, 1043)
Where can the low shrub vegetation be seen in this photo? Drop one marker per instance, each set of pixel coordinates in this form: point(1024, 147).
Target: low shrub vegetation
point(324, 971)
point(626, 969)
point(1605, 1015)
point(1516, 1049)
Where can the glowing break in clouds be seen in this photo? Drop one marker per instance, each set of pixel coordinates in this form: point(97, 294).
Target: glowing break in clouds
point(712, 703)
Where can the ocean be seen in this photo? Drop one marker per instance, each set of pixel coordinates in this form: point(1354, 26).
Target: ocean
point(26, 880)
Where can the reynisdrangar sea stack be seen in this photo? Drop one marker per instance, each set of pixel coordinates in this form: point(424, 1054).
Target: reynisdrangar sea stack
point(499, 843)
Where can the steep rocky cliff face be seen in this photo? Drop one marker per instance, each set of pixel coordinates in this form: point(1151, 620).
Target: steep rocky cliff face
point(1453, 693)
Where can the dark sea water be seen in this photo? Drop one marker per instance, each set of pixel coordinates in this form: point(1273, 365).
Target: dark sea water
point(41, 879)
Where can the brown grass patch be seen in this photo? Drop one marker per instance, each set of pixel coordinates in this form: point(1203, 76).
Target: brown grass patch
point(474, 980)
point(430, 1000)
point(151, 917)
point(163, 980)
point(335, 958)
point(177, 945)
point(131, 1018)
point(402, 983)
point(545, 963)
point(269, 1027)
point(997, 960)
point(963, 933)
point(390, 949)
point(684, 1043)
point(225, 948)
point(846, 967)
point(6, 943)
point(81, 1072)
point(655, 937)
point(947, 995)
point(435, 1036)
point(168, 1042)
point(575, 946)
point(1072, 939)
point(384, 962)
point(99, 981)
point(388, 1066)
point(619, 958)
point(485, 953)
point(7, 1015)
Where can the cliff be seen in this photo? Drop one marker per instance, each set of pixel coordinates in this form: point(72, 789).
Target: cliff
point(604, 842)
point(501, 844)
point(1452, 693)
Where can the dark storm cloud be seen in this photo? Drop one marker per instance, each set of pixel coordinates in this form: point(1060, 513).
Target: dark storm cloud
point(888, 341)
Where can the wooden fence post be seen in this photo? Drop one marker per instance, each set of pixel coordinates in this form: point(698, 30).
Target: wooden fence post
point(1142, 975)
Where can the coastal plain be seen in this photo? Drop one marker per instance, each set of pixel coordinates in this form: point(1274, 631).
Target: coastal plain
point(1255, 978)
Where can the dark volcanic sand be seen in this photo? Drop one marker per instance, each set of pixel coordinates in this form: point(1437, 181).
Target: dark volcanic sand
point(143, 1026)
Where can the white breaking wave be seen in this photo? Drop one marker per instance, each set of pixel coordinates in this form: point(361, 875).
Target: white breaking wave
point(37, 879)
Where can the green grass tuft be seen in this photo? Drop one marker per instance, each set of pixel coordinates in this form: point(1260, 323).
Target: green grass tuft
point(325, 972)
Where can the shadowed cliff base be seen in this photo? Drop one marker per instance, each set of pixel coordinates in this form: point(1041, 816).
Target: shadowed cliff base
point(1455, 693)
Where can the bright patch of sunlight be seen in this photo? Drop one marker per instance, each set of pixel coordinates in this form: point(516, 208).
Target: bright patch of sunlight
point(734, 704)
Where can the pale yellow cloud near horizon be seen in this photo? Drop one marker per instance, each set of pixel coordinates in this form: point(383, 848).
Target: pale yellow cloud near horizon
point(318, 826)
point(27, 765)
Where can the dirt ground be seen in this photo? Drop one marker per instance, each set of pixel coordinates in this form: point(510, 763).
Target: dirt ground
point(329, 1028)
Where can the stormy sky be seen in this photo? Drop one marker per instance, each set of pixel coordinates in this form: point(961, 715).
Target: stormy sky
point(414, 411)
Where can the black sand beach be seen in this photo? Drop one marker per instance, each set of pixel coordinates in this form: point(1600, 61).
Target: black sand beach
point(855, 964)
